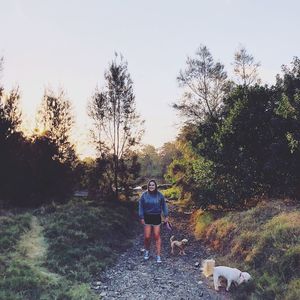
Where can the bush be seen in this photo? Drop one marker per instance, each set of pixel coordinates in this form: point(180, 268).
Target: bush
point(172, 193)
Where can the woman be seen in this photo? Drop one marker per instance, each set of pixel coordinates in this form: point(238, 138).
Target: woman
point(151, 204)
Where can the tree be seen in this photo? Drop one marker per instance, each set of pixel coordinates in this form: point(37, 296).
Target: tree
point(117, 125)
point(55, 117)
point(11, 145)
point(245, 68)
point(168, 152)
point(55, 120)
point(150, 163)
point(206, 84)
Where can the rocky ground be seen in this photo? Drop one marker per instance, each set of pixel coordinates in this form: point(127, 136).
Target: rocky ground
point(177, 277)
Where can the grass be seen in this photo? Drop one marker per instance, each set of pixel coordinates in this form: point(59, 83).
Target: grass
point(264, 241)
point(54, 255)
point(201, 219)
point(11, 228)
point(84, 238)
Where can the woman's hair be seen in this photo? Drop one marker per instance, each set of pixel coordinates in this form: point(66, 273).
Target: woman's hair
point(152, 180)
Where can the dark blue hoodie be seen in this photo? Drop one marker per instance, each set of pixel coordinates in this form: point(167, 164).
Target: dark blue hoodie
point(152, 204)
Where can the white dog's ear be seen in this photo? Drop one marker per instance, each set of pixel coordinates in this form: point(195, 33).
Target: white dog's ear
point(245, 277)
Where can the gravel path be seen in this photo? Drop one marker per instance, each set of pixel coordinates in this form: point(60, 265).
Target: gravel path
point(177, 277)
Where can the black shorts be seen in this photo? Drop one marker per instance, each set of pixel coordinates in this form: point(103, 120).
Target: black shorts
point(152, 219)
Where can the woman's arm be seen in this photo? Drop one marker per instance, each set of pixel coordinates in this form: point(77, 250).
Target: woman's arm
point(164, 207)
point(141, 209)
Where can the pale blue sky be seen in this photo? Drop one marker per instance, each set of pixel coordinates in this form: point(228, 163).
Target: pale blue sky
point(70, 43)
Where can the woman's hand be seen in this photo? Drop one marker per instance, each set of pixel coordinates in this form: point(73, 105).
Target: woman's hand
point(142, 221)
point(166, 219)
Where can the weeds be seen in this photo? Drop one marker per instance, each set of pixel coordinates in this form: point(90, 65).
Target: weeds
point(84, 239)
point(264, 241)
point(56, 260)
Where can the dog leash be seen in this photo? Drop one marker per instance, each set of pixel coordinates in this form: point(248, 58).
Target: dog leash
point(168, 225)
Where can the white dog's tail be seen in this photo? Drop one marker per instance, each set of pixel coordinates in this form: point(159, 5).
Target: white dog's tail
point(208, 266)
point(172, 238)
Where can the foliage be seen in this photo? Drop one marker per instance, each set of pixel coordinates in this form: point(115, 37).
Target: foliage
point(117, 125)
point(293, 290)
point(245, 67)
point(206, 84)
point(154, 162)
point(150, 163)
point(11, 228)
point(32, 167)
point(22, 279)
point(79, 241)
point(172, 193)
point(250, 150)
point(265, 243)
point(56, 120)
point(201, 219)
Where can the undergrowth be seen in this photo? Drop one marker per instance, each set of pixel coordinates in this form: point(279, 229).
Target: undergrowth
point(264, 241)
point(55, 253)
point(85, 237)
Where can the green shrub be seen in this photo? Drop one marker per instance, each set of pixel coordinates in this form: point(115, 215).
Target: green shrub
point(172, 193)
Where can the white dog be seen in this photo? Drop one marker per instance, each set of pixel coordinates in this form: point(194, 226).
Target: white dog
point(230, 274)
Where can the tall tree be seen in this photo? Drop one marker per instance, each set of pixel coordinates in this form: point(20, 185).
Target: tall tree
point(55, 117)
point(245, 67)
point(12, 142)
point(117, 125)
point(205, 83)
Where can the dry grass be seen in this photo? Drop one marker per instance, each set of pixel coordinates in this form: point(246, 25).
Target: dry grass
point(263, 240)
point(32, 244)
point(201, 220)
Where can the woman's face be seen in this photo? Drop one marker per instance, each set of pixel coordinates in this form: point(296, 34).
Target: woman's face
point(151, 186)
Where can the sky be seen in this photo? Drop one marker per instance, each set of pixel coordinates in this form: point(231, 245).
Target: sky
point(69, 44)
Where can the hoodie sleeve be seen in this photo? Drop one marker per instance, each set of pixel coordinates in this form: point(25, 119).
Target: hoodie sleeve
point(141, 208)
point(164, 206)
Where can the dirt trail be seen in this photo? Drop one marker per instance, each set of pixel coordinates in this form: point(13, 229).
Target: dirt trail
point(177, 277)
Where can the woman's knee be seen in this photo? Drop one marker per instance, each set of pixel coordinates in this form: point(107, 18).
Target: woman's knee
point(147, 238)
point(157, 236)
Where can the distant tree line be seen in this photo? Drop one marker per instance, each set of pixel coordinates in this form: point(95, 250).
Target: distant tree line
point(240, 138)
point(154, 162)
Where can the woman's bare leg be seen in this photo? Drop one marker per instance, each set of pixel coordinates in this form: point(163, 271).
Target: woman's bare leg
point(147, 236)
point(156, 231)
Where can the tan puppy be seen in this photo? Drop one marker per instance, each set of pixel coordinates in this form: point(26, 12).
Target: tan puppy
point(180, 244)
point(230, 274)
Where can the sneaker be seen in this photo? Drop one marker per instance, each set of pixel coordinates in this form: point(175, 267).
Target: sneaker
point(158, 259)
point(146, 255)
